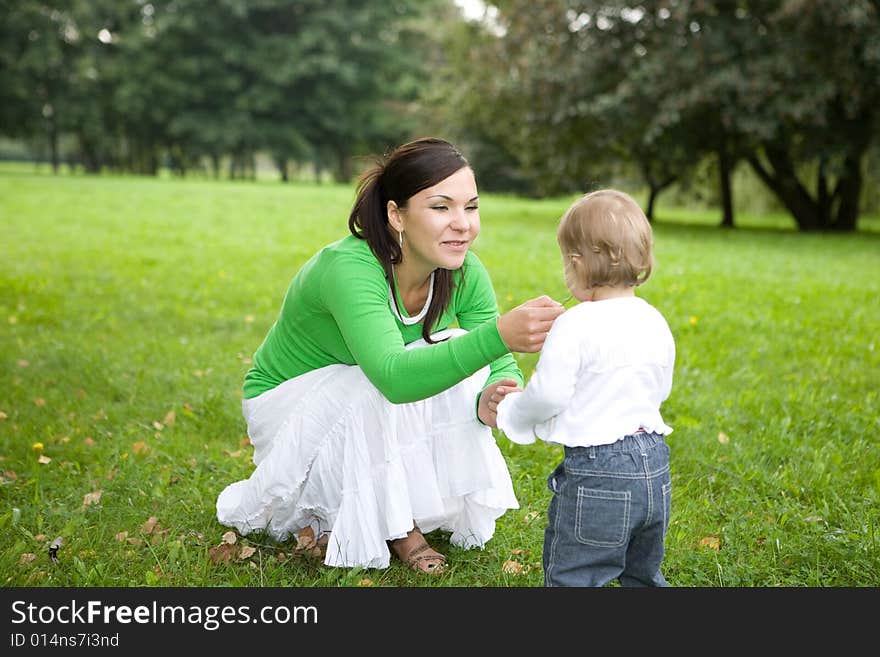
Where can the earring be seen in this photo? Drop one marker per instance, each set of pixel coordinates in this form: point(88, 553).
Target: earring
point(400, 232)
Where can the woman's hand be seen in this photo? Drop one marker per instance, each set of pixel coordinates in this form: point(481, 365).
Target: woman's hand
point(525, 328)
point(487, 409)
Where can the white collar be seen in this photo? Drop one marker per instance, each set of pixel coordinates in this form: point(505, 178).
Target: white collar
point(408, 321)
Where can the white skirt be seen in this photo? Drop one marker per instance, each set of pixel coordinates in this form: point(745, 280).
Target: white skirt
point(332, 453)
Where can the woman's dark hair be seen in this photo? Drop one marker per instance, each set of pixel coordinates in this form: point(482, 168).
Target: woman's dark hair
point(408, 170)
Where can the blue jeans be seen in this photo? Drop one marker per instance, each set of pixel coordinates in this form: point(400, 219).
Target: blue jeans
point(609, 514)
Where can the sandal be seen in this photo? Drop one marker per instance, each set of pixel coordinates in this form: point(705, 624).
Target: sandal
point(430, 564)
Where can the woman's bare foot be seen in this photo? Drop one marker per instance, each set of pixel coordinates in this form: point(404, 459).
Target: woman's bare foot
point(415, 552)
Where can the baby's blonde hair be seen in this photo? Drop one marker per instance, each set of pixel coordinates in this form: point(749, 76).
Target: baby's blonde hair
point(607, 239)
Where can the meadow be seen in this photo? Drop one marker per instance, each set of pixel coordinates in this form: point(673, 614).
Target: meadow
point(130, 309)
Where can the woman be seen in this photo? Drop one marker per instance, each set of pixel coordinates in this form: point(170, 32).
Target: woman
point(368, 414)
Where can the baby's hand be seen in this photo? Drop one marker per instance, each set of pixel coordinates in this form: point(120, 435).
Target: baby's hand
point(491, 397)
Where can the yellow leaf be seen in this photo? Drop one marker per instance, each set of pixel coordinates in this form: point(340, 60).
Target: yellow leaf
point(711, 542)
point(44, 459)
point(37, 447)
point(723, 438)
point(92, 498)
point(230, 538)
point(169, 418)
point(246, 552)
point(512, 567)
point(3, 415)
point(366, 581)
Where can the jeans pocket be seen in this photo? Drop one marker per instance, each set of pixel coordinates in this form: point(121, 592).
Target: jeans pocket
point(602, 517)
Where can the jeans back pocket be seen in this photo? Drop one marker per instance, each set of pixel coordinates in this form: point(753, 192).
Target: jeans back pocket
point(602, 517)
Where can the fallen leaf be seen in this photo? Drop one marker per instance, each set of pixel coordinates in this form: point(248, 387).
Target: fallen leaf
point(150, 525)
point(93, 497)
point(27, 557)
point(234, 454)
point(54, 547)
point(711, 542)
point(121, 536)
point(40, 538)
point(246, 552)
point(10, 474)
point(723, 438)
point(188, 407)
point(517, 551)
point(366, 581)
point(169, 418)
point(22, 363)
point(244, 441)
point(512, 567)
point(110, 474)
point(100, 415)
point(89, 441)
point(230, 538)
point(136, 541)
point(140, 447)
point(531, 515)
point(158, 426)
point(3, 415)
point(814, 519)
point(44, 459)
point(281, 557)
point(222, 552)
point(81, 394)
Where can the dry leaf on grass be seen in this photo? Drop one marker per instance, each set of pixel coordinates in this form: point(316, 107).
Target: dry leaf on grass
point(92, 498)
point(53, 549)
point(530, 516)
point(150, 525)
point(711, 542)
point(366, 581)
point(512, 567)
point(222, 553)
point(169, 418)
point(723, 438)
point(246, 552)
point(121, 536)
point(44, 459)
point(140, 447)
point(27, 557)
point(3, 415)
point(230, 538)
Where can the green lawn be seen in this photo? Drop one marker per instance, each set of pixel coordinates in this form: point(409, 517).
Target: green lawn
point(130, 309)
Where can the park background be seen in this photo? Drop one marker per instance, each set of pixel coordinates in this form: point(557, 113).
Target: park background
point(168, 166)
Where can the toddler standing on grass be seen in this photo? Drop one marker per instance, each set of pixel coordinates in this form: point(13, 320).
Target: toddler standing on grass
point(603, 372)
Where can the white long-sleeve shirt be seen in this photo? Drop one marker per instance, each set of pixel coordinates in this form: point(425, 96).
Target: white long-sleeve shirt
point(605, 368)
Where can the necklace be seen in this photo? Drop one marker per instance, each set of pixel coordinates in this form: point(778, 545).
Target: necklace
point(408, 321)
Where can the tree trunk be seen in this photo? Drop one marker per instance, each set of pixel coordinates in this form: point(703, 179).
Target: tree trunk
point(281, 163)
point(724, 172)
point(215, 165)
point(652, 198)
point(783, 182)
point(53, 146)
point(343, 171)
point(849, 187)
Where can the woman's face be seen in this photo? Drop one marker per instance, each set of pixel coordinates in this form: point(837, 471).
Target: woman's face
point(439, 223)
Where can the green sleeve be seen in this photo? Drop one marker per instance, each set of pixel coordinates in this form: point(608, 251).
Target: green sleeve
point(479, 306)
point(358, 299)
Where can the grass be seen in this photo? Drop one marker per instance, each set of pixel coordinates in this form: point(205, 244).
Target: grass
point(129, 310)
